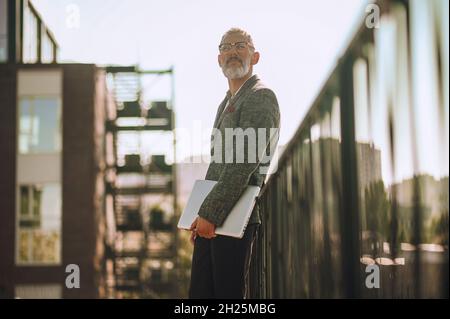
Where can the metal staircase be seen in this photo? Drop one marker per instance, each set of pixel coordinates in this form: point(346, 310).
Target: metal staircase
point(144, 252)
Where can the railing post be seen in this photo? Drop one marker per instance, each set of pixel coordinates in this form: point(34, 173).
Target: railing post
point(349, 219)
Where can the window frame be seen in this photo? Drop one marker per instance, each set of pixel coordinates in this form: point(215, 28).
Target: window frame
point(30, 262)
point(33, 98)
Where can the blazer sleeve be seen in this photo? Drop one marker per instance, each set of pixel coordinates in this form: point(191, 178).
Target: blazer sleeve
point(260, 110)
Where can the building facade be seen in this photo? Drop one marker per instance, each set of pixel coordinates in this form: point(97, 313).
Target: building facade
point(52, 123)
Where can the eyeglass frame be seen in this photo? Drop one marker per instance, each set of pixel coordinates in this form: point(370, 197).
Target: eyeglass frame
point(233, 45)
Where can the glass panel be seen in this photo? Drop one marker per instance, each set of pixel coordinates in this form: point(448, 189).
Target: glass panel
point(331, 159)
point(40, 237)
point(45, 247)
point(372, 210)
point(41, 291)
point(37, 196)
point(384, 149)
point(24, 201)
point(47, 129)
point(430, 24)
point(305, 177)
point(39, 125)
point(3, 31)
point(46, 47)
point(25, 126)
point(402, 154)
point(30, 34)
point(24, 245)
point(325, 244)
point(319, 221)
point(51, 207)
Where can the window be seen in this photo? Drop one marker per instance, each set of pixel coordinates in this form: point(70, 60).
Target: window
point(39, 208)
point(39, 224)
point(30, 36)
point(3, 31)
point(50, 291)
point(47, 47)
point(39, 125)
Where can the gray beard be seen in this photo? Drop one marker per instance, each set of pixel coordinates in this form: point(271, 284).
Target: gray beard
point(233, 73)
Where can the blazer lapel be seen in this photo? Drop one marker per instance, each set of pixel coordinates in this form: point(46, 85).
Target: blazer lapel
point(237, 100)
point(220, 110)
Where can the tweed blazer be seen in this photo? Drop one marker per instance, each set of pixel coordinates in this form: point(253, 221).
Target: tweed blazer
point(254, 107)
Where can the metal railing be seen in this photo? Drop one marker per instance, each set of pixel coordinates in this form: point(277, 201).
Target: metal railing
point(358, 207)
point(29, 38)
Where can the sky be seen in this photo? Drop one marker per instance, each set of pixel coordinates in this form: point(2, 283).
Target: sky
point(299, 41)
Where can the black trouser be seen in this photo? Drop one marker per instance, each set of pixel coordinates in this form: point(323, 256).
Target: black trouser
point(220, 266)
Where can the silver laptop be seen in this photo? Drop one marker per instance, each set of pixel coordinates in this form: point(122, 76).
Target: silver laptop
point(235, 223)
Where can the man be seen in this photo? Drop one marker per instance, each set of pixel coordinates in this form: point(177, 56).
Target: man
point(220, 264)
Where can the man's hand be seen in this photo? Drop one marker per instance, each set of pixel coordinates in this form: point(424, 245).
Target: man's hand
point(194, 231)
point(203, 228)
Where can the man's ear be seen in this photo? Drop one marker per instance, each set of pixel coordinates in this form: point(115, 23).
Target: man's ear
point(218, 60)
point(255, 58)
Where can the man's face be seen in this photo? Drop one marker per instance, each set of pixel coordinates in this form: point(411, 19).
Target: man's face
point(238, 61)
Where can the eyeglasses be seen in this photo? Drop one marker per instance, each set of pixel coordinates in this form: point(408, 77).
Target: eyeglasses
point(240, 46)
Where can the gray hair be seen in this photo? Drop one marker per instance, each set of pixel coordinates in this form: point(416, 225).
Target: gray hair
point(240, 31)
